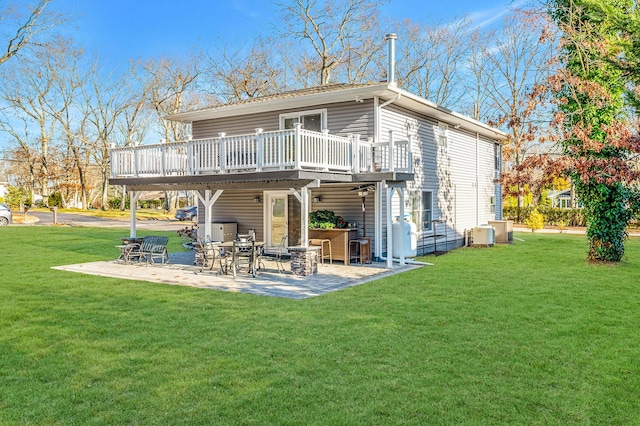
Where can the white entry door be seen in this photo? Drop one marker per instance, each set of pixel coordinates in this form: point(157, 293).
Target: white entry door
point(276, 218)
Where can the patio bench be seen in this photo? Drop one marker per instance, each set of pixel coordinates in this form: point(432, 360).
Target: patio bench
point(152, 248)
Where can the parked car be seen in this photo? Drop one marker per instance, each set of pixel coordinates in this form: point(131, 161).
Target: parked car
point(187, 213)
point(5, 215)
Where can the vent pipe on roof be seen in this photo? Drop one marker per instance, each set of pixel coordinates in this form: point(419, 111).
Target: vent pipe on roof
point(391, 57)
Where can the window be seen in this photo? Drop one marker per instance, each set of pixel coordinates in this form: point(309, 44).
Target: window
point(443, 135)
point(497, 154)
point(315, 120)
point(422, 209)
point(492, 204)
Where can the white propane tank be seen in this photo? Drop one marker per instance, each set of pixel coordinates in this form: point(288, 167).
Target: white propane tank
point(408, 231)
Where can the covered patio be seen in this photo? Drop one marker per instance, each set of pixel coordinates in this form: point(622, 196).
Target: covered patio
point(181, 271)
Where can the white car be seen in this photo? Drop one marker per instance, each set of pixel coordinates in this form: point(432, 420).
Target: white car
point(5, 215)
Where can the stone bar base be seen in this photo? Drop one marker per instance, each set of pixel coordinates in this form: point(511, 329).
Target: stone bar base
point(304, 260)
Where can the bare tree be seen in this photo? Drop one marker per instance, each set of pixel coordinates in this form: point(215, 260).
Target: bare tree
point(23, 157)
point(245, 73)
point(70, 76)
point(433, 59)
point(28, 90)
point(170, 85)
point(337, 31)
point(519, 63)
point(23, 25)
point(107, 105)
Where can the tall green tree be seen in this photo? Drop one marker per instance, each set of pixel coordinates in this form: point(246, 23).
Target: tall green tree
point(596, 139)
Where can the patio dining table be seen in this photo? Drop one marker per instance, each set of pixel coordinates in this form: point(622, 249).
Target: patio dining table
point(247, 249)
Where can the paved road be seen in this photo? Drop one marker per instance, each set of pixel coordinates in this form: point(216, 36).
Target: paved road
point(46, 218)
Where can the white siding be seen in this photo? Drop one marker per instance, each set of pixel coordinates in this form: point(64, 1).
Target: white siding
point(449, 172)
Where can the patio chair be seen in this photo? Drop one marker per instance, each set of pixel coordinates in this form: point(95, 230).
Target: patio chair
point(152, 248)
point(243, 257)
point(206, 254)
point(279, 252)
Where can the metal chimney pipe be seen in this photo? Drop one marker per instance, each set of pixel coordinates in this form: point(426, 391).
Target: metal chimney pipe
point(391, 57)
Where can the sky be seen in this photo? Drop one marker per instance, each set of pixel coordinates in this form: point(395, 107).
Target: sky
point(120, 30)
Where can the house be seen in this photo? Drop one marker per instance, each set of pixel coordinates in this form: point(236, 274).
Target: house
point(372, 153)
point(564, 199)
point(4, 187)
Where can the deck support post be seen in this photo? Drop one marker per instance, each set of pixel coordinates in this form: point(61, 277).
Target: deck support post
point(390, 192)
point(304, 216)
point(208, 201)
point(133, 203)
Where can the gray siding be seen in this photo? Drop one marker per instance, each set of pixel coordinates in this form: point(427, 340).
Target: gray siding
point(239, 207)
point(342, 119)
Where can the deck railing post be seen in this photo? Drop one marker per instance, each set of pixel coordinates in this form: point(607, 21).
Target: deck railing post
point(136, 161)
point(351, 153)
point(298, 145)
point(410, 155)
point(391, 152)
point(190, 165)
point(356, 157)
point(163, 153)
point(223, 152)
point(325, 149)
point(259, 150)
point(369, 154)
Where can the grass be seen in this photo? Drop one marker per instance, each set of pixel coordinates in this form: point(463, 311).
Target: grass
point(141, 214)
point(521, 334)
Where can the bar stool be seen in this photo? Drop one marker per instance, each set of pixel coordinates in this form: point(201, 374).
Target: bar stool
point(360, 250)
point(321, 242)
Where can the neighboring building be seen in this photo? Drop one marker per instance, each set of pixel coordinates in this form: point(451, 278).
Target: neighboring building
point(563, 199)
point(252, 164)
point(4, 187)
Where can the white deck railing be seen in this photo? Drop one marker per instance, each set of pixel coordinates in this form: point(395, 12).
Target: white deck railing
point(295, 149)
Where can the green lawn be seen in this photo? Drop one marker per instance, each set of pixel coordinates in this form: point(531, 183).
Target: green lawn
point(523, 334)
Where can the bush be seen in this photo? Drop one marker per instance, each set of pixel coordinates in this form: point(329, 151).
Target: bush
point(535, 221)
point(114, 203)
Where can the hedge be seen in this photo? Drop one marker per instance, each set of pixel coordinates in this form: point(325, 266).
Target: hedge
point(552, 215)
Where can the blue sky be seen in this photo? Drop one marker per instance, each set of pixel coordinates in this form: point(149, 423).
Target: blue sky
point(119, 30)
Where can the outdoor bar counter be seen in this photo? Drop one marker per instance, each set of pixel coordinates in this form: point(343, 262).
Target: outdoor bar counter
point(339, 240)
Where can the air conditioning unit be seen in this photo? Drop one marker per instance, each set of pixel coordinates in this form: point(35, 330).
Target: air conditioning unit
point(483, 236)
point(504, 231)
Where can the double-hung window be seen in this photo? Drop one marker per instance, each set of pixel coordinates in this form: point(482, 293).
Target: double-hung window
point(497, 155)
point(315, 120)
point(443, 135)
point(422, 210)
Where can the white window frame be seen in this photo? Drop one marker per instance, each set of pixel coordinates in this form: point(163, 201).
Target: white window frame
point(492, 204)
point(497, 154)
point(418, 208)
point(322, 112)
point(443, 135)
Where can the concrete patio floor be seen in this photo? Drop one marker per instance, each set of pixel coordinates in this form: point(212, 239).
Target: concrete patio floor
point(181, 271)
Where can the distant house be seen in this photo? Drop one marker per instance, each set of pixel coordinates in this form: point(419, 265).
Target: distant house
point(563, 199)
point(266, 163)
point(4, 187)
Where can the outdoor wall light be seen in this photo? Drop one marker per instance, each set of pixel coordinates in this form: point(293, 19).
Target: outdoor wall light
point(257, 199)
point(317, 199)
